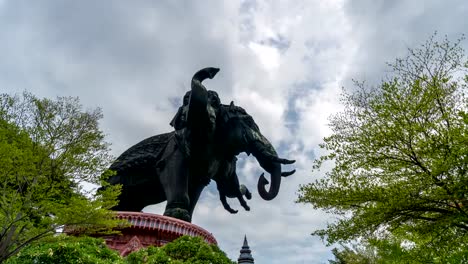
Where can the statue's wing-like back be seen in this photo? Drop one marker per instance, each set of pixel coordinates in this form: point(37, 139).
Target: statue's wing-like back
point(139, 161)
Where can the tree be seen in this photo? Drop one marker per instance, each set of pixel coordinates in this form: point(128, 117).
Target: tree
point(47, 150)
point(66, 249)
point(392, 250)
point(374, 251)
point(354, 255)
point(183, 250)
point(400, 156)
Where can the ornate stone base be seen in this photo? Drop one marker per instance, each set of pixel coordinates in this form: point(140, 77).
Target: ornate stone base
point(152, 230)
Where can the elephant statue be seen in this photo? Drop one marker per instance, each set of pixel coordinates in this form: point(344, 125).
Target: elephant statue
point(176, 166)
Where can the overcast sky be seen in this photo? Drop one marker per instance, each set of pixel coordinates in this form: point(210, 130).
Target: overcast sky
point(283, 61)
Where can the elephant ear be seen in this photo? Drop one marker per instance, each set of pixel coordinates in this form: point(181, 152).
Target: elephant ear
point(237, 112)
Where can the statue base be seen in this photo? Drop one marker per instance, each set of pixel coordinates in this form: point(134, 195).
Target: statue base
point(152, 230)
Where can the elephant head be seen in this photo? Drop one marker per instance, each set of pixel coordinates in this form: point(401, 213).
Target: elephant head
point(243, 135)
point(236, 131)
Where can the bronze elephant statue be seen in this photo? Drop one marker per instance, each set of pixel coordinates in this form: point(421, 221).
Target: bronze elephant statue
point(177, 166)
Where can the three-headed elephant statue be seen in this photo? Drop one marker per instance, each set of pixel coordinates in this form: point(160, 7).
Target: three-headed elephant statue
point(177, 166)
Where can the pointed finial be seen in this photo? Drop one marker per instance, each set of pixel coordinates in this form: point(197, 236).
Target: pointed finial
point(245, 253)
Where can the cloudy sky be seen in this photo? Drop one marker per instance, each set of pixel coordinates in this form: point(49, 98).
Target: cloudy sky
point(283, 61)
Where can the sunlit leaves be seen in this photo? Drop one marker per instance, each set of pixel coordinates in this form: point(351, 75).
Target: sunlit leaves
point(47, 149)
point(399, 151)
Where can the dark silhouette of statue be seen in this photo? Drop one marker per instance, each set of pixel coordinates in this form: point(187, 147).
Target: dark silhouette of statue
point(176, 166)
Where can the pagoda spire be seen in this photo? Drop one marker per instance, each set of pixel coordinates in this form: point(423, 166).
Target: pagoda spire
point(245, 253)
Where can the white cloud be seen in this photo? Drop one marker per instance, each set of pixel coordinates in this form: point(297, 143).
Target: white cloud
point(268, 56)
point(314, 112)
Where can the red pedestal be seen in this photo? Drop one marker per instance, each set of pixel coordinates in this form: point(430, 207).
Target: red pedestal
point(152, 230)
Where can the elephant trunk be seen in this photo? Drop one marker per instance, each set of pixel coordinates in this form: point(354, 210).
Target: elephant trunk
point(268, 160)
point(201, 123)
point(274, 186)
point(198, 98)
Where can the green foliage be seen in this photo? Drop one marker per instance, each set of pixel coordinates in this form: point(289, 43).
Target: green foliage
point(67, 250)
point(70, 250)
point(384, 251)
point(391, 250)
point(353, 255)
point(400, 157)
point(47, 149)
point(148, 255)
point(185, 249)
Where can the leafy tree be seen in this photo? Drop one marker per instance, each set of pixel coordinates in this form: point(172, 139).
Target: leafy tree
point(353, 255)
point(70, 250)
point(384, 251)
point(47, 149)
point(67, 250)
point(392, 250)
point(183, 250)
point(400, 157)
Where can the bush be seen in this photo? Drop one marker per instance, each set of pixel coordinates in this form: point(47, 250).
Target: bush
point(88, 250)
point(183, 250)
point(66, 250)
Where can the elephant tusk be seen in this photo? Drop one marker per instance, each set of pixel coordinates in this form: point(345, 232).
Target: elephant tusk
point(283, 174)
point(286, 161)
point(287, 173)
point(277, 159)
point(280, 160)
